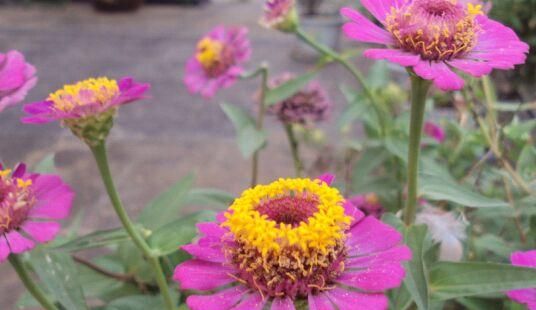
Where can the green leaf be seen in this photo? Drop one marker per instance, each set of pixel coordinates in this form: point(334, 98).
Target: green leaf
point(436, 187)
point(480, 304)
point(209, 197)
point(170, 237)
point(288, 89)
point(97, 285)
point(453, 280)
point(136, 302)
point(416, 280)
point(398, 147)
point(165, 208)
point(249, 138)
point(378, 74)
point(46, 165)
point(95, 240)
point(58, 274)
point(525, 163)
point(492, 244)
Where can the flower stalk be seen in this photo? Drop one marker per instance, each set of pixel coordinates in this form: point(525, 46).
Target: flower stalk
point(294, 148)
point(101, 157)
point(326, 51)
point(263, 71)
point(29, 283)
point(419, 90)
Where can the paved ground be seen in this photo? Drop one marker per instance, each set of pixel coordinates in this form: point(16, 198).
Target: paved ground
point(155, 142)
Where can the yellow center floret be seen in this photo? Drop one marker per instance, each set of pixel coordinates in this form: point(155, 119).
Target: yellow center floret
point(324, 229)
point(91, 91)
point(209, 52)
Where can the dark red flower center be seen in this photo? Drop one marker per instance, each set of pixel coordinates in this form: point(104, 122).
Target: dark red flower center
point(16, 200)
point(289, 210)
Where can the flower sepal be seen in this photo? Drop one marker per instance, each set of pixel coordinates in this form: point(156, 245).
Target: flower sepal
point(94, 129)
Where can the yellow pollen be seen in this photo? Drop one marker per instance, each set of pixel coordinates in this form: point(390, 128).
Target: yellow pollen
point(5, 173)
point(23, 184)
point(95, 90)
point(474, 9)
point(209, 52)
point(319, 234)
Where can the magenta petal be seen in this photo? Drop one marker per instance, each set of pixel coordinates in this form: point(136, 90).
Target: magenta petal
point(472, 67)
point(362, 29)
point(392, 55)
point(17, 243)
point(442, 76)
point(319, 302)
point(12, 72)
point(380, 8)
point(524, 296)
point(4, 249)
point(377, 278)
point(205, 253)
point(54, 198)
point(327, 178)
point(41, 231)
point(211, 229)
point(283, 304)
point(371, 236)
point(19, 171)
point(201, 275)
point(351, 210)
point(350, 300)
point(222, 300)
point(252, 302)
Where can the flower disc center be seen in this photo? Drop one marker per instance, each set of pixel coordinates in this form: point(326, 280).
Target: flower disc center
point(289, 210)
point(16, 200)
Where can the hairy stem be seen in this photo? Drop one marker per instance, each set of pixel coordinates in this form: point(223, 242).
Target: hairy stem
point(29, 283)
point(260, 123)
point(294, 148)
point(419, 90)
point(101, 157)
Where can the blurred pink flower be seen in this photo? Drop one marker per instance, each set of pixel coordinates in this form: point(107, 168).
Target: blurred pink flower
point(30, 204)
point(17, 77)
point(434, 131)
point(218, 60)
point(368, 204)
point(280, 14)
point(309, 105)
point(433, 37)
point(524, 296)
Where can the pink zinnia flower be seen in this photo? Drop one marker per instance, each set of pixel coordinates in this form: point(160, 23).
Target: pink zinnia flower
point(85, 99)
point(218, 60)
point(293, 240)
point(434, 131)
point(524, 296)
point(368, 204)
point(309, 105)
point(17, 77)
point(29, 206)
point(88, 107)
point(436, 36)
point(280, 15)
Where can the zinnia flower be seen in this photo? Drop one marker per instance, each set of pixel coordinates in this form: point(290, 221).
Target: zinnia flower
point(218, 60)
point(280, 15)
point(309, 105)
point(436, 36)
point(29, 204)
point(368, 204)
point(524, 296)
point(446, 229)
point(435, 132)
point(87, 107)
point(293, 240)
point(17, 77)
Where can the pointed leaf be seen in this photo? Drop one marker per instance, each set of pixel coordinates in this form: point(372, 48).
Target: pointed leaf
point(288, 89)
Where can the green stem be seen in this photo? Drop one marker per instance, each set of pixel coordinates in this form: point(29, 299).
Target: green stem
point(325, 50)
point(260, 122)
point(419, 89)
point(29, 283)
point(294, 148)
point(101, 157)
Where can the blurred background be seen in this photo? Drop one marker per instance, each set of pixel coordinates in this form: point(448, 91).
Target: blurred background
point(160, 140)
